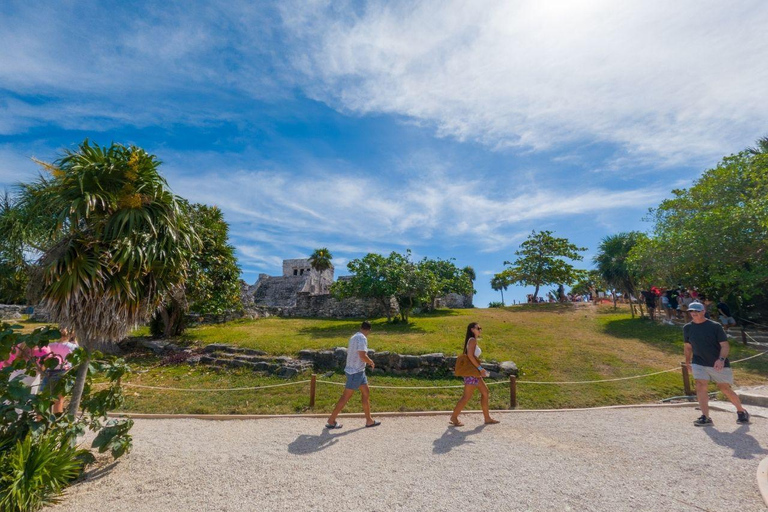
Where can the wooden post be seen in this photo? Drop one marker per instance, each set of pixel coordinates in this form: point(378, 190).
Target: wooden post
point(512, 392)
point(743, 335)
point(312, 386)
point(686, 380)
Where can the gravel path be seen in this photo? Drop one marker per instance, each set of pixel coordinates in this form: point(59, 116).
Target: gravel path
point(607, 460)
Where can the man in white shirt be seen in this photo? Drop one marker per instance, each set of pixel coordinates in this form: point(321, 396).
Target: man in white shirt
point(357, 358)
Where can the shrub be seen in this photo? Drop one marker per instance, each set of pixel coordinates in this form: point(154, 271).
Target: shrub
point(38, 450)
point(495, 304)
point(34, 471)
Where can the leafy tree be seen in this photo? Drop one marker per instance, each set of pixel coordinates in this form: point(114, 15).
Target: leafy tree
point(373, 277)
point(321, 259)
point(499, 283)
point(612, 265)
point(119, 246)
point(714, 235)
point(540, 262)
point(592, 282)
point(213, 281)
point(441, 277)
point(396, 276)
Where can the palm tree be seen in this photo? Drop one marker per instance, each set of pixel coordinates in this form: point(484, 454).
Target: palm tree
point(611, 261)
point(321, 259)
point(119, 246)
point(761, 147)
point(499, 283)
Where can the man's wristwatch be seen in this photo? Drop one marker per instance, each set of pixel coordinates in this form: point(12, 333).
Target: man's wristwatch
point(479, 368)
point(722, 359)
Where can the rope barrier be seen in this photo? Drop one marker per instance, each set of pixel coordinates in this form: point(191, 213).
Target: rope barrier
point(550, 383)
point(128, 384)
point(753, 323)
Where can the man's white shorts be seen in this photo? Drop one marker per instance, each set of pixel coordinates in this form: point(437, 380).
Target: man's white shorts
point(708, 373)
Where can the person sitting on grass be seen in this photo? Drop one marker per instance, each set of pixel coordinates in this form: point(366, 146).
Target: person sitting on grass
point(472, 383)
point(357, 358)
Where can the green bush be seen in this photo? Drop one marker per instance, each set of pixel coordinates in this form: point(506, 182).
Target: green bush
point(495, 304)
point(38, 450)
point(34, 471)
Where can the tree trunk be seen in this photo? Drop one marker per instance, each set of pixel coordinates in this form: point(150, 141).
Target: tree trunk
point(77, 391)
point(613, 295)
point(536, 293)
point(502, 297)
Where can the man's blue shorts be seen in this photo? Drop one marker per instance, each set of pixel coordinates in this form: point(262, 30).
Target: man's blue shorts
point(355, 380)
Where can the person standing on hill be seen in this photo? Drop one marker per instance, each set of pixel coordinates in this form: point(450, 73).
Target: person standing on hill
point(706, 356)
point(357, 358)
point(725, 316)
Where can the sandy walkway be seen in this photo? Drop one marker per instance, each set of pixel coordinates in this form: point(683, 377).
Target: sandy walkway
point(611, 460)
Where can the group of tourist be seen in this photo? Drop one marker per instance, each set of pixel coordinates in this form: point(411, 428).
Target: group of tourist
point(45, 376)
point(675, 305)
point(706, 351)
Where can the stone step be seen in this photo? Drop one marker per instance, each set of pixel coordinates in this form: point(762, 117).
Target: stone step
point(757, 396)
point(753, 410)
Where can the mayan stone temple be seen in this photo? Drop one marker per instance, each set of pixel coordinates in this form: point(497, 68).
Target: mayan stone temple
point(304, 292)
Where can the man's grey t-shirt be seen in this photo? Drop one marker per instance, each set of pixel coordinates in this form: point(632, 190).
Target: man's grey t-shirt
point(354, 363)
point(705, 338)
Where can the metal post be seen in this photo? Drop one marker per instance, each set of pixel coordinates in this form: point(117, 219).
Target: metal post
point(312, 386)
point(512, 392)
point(686, 380)
point(743, 335)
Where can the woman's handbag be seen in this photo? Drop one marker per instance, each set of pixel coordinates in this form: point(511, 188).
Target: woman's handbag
point(465, 368)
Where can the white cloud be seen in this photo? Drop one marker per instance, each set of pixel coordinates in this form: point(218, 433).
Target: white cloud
point(667, 81)
point(293, 213)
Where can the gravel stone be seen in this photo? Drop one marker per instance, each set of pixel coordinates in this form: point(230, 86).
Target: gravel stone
point(650, 459)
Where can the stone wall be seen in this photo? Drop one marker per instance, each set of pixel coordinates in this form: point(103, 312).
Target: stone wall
point(326, 306)
point(455, 301)
point(322, 360)
point(12, 311)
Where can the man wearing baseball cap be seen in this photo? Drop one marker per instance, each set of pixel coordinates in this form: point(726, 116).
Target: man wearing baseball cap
point(706, 356)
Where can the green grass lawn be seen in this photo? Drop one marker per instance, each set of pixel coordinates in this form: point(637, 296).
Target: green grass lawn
point(548, 343)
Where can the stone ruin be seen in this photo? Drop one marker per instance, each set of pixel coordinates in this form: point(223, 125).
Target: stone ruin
point(304, 292)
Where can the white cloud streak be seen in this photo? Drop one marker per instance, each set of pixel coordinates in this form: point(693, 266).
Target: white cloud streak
point(665, 81)
point(293, 213)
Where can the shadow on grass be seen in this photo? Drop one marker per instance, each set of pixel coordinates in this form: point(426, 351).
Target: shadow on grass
point(669, 339)
point(349, 328)
point(542, 308)
point(306, 443)
point(453, 437)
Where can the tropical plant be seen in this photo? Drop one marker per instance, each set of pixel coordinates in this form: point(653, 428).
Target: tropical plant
point(499, 283)
point(591, 283)
point(612, 264)
point(212, 286)
point(540, 262)
point(35, 471)
point(119, 246)
point(38, 450)
point(714, 235)
point(320, 259)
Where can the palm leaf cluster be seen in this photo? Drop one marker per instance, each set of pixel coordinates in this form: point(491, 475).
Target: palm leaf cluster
point(117, 241)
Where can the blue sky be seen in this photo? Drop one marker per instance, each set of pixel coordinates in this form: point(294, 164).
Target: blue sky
point(450, 128)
